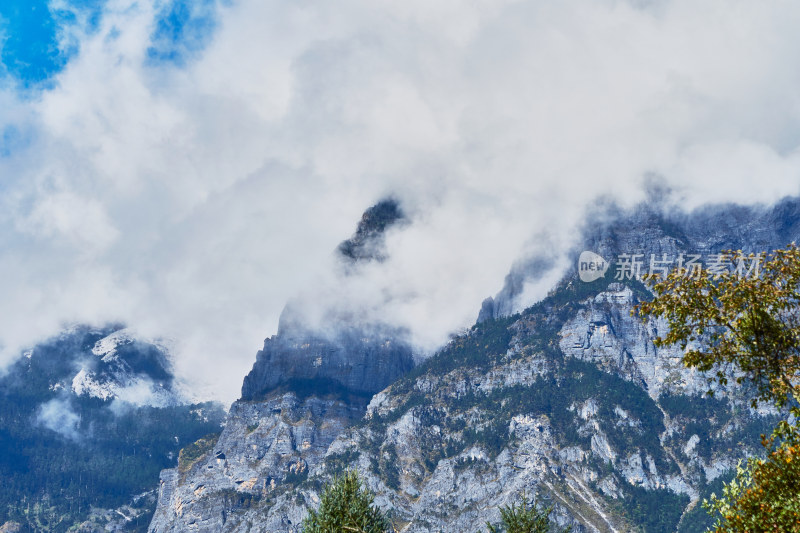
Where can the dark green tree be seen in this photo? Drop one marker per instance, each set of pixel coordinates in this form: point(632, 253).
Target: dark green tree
point(346, 506)
point(525, 517)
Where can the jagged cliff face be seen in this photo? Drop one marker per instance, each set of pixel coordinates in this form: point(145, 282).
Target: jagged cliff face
point(265, 445)
point(353, 362)
point(651, 228)
point(307, 386)
point(346, 356)
point(367, 243)
point(569, 399)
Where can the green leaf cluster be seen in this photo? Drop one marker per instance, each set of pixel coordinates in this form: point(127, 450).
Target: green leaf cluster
point(727, 323)
point(346, 506)
point(525, 517)
point(747, 326)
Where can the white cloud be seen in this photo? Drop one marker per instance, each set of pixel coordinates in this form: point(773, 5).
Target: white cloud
point(193, 202)
point(57, 415)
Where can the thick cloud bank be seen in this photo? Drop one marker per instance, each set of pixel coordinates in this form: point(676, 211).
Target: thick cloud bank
point(191, 198)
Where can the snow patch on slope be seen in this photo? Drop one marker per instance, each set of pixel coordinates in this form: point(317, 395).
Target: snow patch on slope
point(84, 383)
point(133, 390)
point(118, 382)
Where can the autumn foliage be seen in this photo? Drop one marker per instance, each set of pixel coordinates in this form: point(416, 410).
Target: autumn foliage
point(748, 327)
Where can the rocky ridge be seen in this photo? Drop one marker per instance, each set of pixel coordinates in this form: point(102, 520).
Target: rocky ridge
point(569, 399)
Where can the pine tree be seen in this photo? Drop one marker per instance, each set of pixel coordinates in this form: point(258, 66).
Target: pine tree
point(346, 506)
point(524, 518)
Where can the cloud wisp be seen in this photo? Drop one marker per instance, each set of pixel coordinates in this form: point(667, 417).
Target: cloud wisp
point(58, 415)
point(192, 195)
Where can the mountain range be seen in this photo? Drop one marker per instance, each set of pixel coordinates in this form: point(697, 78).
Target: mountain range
point(88, 419)
point(568, 399)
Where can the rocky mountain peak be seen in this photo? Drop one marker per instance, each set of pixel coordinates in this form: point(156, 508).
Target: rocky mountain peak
point(569, 399)
point(345, 356)
point(367, 244)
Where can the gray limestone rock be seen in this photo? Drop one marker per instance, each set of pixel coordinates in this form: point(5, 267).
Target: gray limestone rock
point(569, 400)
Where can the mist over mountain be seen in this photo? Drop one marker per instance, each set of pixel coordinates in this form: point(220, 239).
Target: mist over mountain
point(332, 347)
point(386, 203)
point(186, 168)
point(88, 419)
point(610, 229)
point(568, 399)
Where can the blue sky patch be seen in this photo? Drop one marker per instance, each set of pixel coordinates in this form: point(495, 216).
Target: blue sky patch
point(182, 30)
point(33, 48)
point(32, 51)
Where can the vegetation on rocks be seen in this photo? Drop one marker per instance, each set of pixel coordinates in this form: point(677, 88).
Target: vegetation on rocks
point(525, 517)
point(346, 505)
point(195, 451)
point(65, 457)
point(747, 326)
